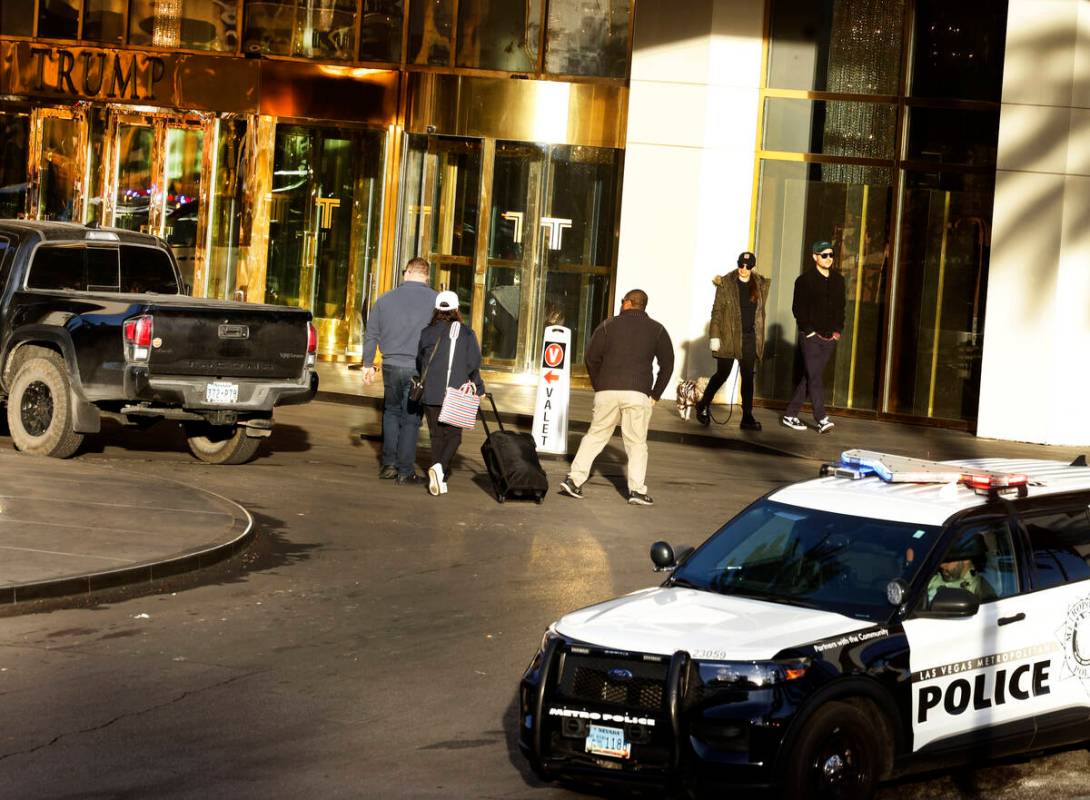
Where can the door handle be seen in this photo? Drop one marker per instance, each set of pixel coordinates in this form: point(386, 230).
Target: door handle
point(1016, 618)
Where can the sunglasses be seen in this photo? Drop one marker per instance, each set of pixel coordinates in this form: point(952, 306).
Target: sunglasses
point(825, 255)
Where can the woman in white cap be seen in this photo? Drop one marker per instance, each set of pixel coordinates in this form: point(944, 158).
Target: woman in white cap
point(450, 353)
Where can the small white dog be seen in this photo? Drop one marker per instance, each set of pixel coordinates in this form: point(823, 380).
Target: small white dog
point(689, 393)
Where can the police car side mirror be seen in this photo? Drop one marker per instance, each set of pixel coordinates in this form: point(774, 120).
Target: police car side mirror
point(662, 556)
point(954, 602)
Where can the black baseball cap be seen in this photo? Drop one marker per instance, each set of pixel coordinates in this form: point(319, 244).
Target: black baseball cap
point(747, 260)
point(818, 246)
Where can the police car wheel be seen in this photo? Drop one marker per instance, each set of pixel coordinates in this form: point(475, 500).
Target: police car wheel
point(837, 756)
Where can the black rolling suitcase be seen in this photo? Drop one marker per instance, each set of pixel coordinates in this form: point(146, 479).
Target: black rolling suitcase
point(512, 462)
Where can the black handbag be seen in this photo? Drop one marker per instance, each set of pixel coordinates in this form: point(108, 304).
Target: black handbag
point(416, 383)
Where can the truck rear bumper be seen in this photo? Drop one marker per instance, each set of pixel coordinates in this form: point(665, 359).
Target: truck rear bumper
point(189, 392)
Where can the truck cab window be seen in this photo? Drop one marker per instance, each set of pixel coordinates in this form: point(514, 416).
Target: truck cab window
point(1061, 546)
point(147, 269)
point(57, 268)
point(103, 274)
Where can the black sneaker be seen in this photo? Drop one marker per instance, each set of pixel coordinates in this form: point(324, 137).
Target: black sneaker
point(750, 424)
point(412, 479)
point(568, 487)
point(793, 422)
point(387, 473)
point(703, 415)
point(637, 499)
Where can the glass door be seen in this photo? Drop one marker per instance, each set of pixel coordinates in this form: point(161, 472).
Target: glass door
point(14, 150)
point(323, 227)
point(57, 164)
point(442, 198)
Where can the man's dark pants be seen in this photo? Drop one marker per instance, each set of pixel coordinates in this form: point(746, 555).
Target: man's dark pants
point(815, 355)
point(400, 420)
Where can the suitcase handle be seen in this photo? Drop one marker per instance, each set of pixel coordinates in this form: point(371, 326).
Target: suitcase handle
point(495, 412)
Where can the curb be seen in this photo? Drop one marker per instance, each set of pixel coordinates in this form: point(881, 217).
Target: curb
point(697, 438)
point(144, 572)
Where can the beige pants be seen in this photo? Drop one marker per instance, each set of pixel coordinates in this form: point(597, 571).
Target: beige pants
point(633, 411)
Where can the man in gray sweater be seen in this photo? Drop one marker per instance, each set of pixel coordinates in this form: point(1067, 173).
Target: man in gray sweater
point(394, 325)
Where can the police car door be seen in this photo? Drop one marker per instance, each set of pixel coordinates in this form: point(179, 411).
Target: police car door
point(1058, 533)
point(978, 680)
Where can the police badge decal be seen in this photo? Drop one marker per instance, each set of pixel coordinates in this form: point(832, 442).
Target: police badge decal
point(1075, 638)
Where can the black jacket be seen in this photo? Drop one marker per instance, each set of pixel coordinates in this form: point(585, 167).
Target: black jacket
point(621, 352)
point(819, 303)
point(466, 365)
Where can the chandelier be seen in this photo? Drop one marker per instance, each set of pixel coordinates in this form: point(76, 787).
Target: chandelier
point(166, 29)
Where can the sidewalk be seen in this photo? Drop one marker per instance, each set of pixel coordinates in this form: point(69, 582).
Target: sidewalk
point(69, 527)
point(340, 384)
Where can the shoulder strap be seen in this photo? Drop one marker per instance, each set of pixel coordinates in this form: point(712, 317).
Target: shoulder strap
point(455, 329)
point(431, 358)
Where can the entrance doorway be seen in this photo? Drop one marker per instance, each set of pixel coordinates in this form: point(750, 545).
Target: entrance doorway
point(524, 233)
point(324, 214)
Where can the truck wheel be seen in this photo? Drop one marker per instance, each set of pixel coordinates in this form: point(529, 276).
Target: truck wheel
point(40, 408)
point(221, 444)
point(837, 756)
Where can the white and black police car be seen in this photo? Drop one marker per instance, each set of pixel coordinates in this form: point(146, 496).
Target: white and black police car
point(893, 615)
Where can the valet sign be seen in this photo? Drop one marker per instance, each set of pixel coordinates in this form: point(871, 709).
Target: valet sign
point(550, 429)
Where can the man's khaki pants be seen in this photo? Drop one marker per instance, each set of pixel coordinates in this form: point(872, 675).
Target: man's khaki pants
point(633, 411)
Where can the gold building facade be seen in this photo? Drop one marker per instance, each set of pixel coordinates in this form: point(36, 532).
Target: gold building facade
point(299, 151)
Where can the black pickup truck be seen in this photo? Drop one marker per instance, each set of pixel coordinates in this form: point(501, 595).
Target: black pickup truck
point(97, 321)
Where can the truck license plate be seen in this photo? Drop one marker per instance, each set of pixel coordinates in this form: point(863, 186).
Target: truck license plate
point(221, 393)
point(604, 741)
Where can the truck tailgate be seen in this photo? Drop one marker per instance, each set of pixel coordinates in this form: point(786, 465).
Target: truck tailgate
point(228, 340)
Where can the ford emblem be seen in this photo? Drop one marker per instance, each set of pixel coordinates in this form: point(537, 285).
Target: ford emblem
point(619, 674)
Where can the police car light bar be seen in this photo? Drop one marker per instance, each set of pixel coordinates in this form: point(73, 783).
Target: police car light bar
point(857, 464)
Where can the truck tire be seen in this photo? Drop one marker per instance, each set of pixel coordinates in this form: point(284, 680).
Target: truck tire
point(221, 444)
point(40, 408)
point(838, 754)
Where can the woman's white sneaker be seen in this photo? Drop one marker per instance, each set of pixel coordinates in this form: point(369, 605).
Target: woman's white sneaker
point(436, 486)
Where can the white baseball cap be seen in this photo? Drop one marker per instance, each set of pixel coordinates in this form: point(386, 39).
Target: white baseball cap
point(446, 301)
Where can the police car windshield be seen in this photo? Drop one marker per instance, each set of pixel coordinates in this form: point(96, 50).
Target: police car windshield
point(801, 556)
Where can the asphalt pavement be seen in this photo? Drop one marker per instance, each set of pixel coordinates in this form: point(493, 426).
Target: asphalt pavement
point(369, 641)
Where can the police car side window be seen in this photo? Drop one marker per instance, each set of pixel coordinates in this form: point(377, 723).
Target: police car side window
point(1061, 546)
point(980, 560)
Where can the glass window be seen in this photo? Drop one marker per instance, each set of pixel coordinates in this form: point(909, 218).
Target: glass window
point(146, 269)
point(14, 140)
point(103, 269)
point(15, 21)
point(850, 206)
point(228, 189)
point(135, 185)
point(980, 560)
point(833, 127)
point(851, 46)
point(958, 49)
point(380, 30)
point(57, 268)
point(59, 170)
point(188, 24)
point(57, 19)
point(430, 23)
point(499, 35)
point(184, 153)
point(941, 289)
point(316, 28)
point(104, 20)
point(588, 37)
point(1061, 546)
point(953, 136)
point(816, 559)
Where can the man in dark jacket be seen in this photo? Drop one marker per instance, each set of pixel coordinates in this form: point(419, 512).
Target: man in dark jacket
point(620, 360)
point(818, 307)
point(394, 325)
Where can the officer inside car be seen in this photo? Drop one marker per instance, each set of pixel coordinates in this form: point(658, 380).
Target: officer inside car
point(959, 570)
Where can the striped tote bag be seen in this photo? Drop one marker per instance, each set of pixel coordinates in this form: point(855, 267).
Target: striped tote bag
point(460, 406)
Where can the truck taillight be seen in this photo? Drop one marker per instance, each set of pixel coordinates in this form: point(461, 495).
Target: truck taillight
point(138, 334)
point(312, 343)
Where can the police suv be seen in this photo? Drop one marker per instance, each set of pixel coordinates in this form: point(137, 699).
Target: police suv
point(890, 616)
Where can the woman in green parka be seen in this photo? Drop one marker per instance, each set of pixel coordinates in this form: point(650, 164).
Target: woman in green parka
point(737, 334)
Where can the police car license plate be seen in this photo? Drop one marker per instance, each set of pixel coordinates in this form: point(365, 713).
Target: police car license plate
point(604, 741)
point(221, 393)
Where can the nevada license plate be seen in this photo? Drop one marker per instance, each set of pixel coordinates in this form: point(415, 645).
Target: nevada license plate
point(604, 741)
point(221, 393)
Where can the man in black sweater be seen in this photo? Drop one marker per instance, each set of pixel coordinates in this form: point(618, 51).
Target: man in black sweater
point(818, 307)
point(619, 360)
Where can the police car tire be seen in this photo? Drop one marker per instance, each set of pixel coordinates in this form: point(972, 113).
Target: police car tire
point(841, 731)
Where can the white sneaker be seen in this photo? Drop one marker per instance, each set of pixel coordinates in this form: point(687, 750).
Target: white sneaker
point(436, 486)
point(825, 425)
point(793, 422)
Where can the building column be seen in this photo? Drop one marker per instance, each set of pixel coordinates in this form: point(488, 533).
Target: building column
point(689, 161)
point(1035, 379)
